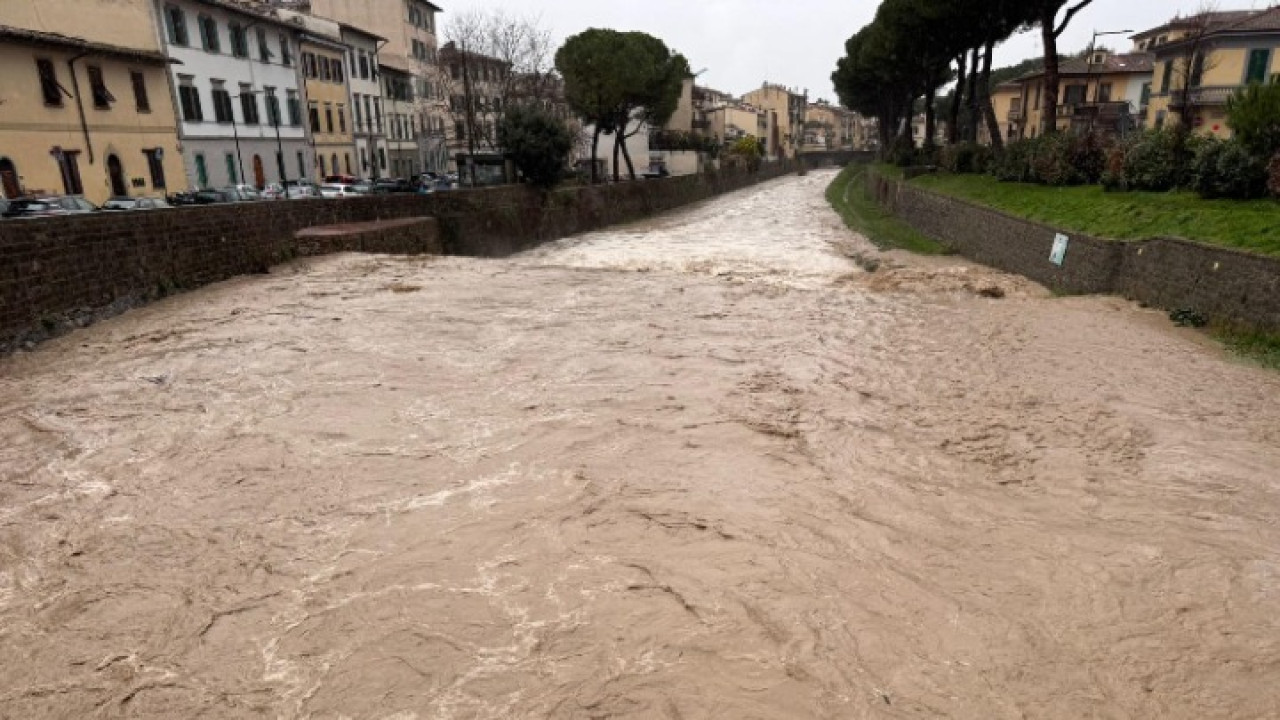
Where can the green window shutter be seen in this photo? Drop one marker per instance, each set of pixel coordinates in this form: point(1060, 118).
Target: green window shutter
point(1259, 60)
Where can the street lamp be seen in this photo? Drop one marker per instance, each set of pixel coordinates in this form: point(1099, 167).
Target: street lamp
point(1093, 46)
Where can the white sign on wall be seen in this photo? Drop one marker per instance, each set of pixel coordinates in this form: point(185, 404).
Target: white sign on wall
point(1059, 253)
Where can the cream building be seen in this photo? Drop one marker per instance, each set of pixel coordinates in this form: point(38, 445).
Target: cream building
point(1234, 50)
point(789, 107)
point(84, 102)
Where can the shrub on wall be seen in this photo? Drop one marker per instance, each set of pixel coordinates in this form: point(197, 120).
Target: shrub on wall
point(1273, 176)
point(1150, 162)
point(1014, 164)
point(1228, 169)
point(965, 158)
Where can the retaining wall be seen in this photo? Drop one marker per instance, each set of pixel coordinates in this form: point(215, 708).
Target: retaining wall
point(63, 272)
point(1228, 286)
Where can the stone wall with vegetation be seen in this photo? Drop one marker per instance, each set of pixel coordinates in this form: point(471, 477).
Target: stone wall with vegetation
point(60, 273)
point(1226, 286)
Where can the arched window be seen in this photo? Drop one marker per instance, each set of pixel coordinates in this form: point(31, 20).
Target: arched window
point(10, 186)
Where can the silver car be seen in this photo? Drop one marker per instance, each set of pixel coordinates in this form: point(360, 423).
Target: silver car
point(138, 203)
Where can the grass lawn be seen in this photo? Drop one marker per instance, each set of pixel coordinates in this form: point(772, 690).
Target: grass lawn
point(848, 195)
point(1252, 225)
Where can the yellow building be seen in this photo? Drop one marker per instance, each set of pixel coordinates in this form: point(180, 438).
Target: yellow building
point(332, 133)
point(82, 116)
point(1106, 92)
point(838, 126)
point(1201, 61)
point(1006, 100)
point(789, 108)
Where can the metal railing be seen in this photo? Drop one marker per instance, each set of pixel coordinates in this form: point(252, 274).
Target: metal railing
point(1212, 95)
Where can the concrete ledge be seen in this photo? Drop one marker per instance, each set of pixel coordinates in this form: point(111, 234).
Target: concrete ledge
point(1228, 286)
point(405, 236)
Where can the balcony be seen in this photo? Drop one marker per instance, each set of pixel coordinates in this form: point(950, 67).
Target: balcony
point(1202, 96)
point(701, 124)
point(1015, 114)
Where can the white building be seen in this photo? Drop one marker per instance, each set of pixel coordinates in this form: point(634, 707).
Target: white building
point(237, 90)
point(364, 78)
point(399, 111)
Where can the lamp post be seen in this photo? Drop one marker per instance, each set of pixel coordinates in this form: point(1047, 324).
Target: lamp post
point(1093, 46)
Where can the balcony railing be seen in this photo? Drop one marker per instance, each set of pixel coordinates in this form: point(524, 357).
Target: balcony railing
point(1015, 114)
point(1215, 95)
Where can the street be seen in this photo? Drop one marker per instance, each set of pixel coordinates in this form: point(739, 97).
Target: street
point(704, 466)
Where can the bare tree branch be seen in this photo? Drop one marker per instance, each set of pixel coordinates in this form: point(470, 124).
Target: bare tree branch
point(1071, 13)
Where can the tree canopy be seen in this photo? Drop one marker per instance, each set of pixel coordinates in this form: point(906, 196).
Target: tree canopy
point(613, 79)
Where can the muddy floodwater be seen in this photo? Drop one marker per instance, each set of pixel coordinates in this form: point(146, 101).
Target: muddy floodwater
point(699, 467)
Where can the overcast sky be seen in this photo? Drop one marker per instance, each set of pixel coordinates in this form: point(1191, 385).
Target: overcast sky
point(742, 43)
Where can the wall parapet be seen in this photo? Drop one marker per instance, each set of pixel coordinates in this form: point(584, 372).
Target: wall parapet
point(1228, 286)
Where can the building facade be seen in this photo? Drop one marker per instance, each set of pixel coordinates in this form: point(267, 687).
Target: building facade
point(404, 159)
point(366, 94)
point(789, 107)
point(837, 127)
point(410, 29)
point(82, 114)
point(1203, 60)
point(330, 119)
point(1105, 92)
point(236, 87)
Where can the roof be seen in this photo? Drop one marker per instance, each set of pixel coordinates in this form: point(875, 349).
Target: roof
point(361, 31)
point(254, 8)
point(37, 37)
point(1265, 21)
point(1135, 63)
point(1212, 20)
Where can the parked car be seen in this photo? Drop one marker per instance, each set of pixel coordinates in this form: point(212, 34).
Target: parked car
point(4, 206)
point(49, 206)
point(393, 185)
point(242, 193)
point(214, 197)
point(342, 190)
point(295, 189)
point(135, 203)
point(341, 180)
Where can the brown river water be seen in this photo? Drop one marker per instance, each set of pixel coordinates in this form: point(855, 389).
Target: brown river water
point(698, 467)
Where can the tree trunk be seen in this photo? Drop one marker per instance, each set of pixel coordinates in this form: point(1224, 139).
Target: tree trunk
point(595, 153)
point(957, 98)
point(988, 110)
point(626, 155)
point(930, 119)
point(617, 143)
point(1049, 112)
point(971, 121)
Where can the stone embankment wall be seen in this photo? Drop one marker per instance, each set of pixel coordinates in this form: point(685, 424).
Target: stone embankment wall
point(1227, 286)
point(58, 273)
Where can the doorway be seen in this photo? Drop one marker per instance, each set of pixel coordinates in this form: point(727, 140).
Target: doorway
point(116, 172)
point(259, 174)
point(9, 185)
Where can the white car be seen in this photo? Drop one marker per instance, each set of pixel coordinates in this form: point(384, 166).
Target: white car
point(336, 190)
point(135, 203)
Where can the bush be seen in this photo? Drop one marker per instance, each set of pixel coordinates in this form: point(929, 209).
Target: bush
point(537, 142)
point(1014, 164)
point(1273, 176)
point(1253, 114)
point(965, 158)
point(1227, 169)
point(1150, 162)
point(903, 152)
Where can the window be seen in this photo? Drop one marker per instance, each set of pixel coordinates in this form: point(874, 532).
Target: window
point(49, 86)
point(249, 106)
point(339, 71)
point(231, 169)
point(239, 40)
point(346, 162)
point(1256, 71)
point(209, 33)
point(364, 160)
point(334, 164)
point(302, 164)
point(1146, 95)
point(328, 117)
point(286, 52)
point(355, 112)
point(189, 98)
point(264, 50)
point(325, 74)
point(176, 23)
point(382, 158)
point(377, 114)
point(295, 107)
point(1074, 95)
point(273, 107)
point(320, 159)
point(140, 91)
point(222, 111)
point(69, 167)
point(202, 171)
point(1104, 93)
point(1167, 78)
point(156, 167)
point(342, 120)
point(364, 66)
point(308, 65)
point(368, 116)
point(455, 71)
point(102, 98)
point(313, 110)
